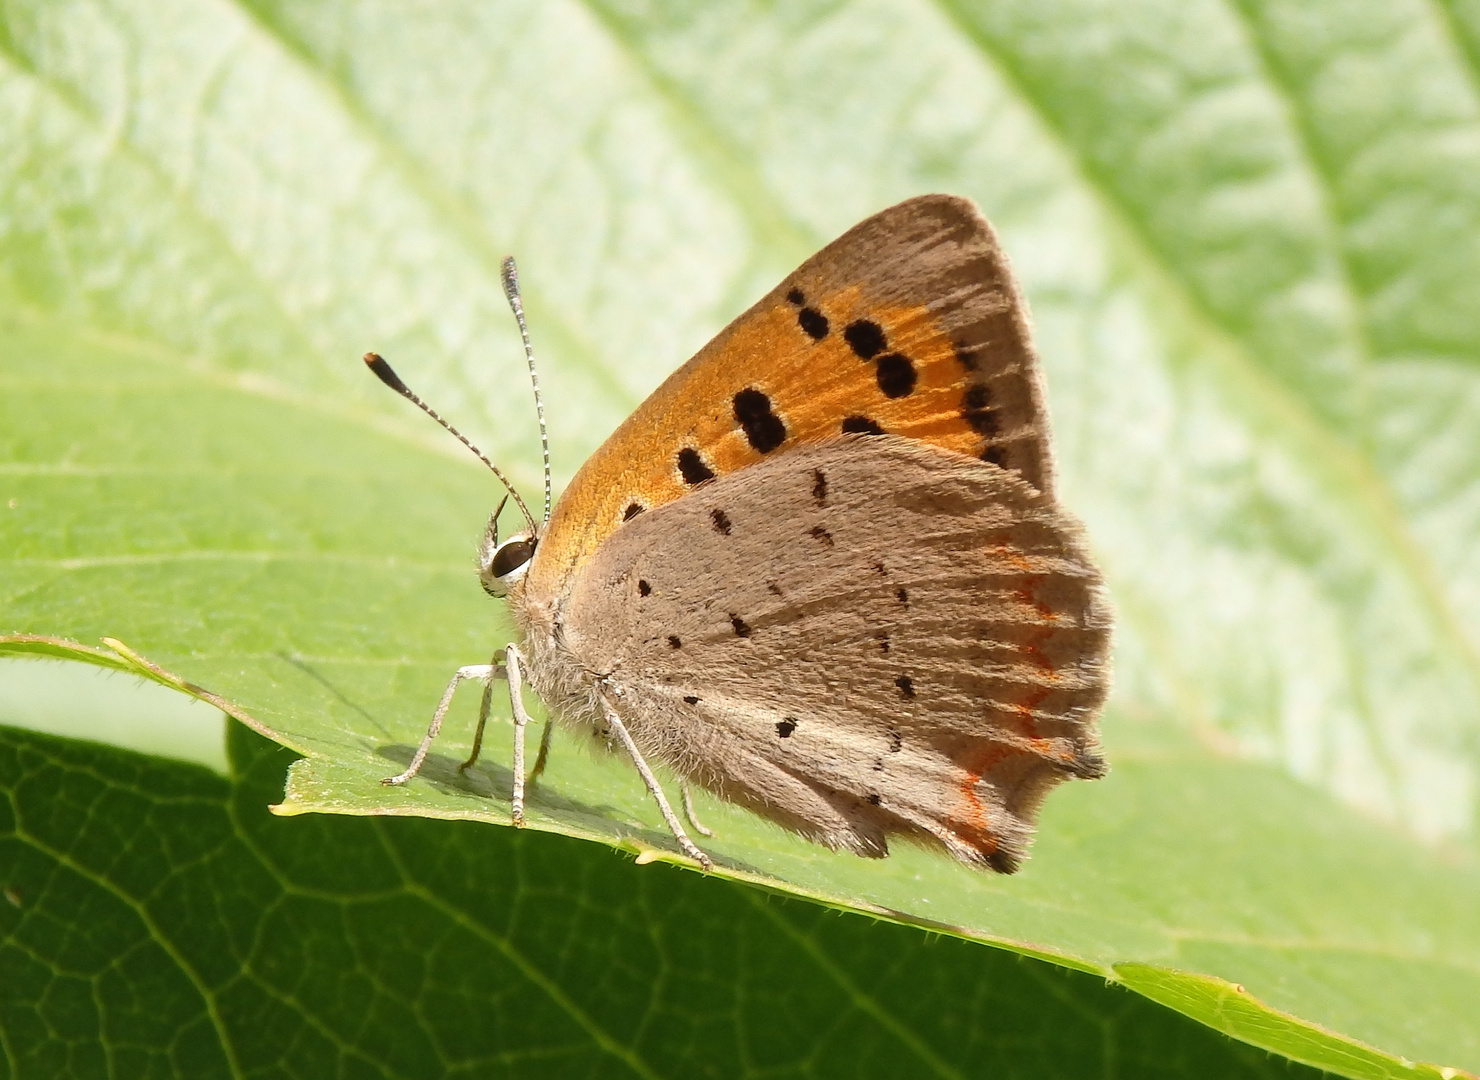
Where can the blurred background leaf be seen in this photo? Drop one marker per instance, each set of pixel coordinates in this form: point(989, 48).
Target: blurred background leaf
point(1248, 236)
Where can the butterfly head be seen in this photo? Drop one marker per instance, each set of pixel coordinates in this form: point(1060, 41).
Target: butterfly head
point(502, 565)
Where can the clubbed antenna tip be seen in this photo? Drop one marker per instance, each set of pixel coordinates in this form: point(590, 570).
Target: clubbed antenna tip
point(386, 374)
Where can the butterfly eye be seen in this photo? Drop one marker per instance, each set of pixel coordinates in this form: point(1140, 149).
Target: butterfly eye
point(509, 562)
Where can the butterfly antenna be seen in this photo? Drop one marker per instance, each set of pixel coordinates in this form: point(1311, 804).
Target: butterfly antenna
point(385, 374)
point(510, 274)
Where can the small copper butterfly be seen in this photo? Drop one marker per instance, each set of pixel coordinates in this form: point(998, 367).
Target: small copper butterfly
point(820, 572)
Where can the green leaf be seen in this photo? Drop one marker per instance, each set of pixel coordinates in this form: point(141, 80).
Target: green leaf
point(223, 942)
point(1246, 234)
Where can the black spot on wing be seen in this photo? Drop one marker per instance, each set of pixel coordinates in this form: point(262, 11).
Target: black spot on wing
point(813, 323)
point(742, 628)
point(895, 375)
point(902, 595)
point(796, 297)
point(692, 467)
point(643, 588)
point(865, 338)
point(873, 799)
point(633, 509)
point(976, 410)
point(861, 425)
point(906, 686)
point(763, 428)
point(721, 521)
point(821, 535)
point(819, 487)
point(966, 355)
point(674, 642)
point(784, 728)
point(996, 455)
point(691, 699)
point(896, 740)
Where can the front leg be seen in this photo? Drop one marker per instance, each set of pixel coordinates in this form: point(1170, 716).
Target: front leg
point(511, 667)
point(483, 672)
point(514, 672)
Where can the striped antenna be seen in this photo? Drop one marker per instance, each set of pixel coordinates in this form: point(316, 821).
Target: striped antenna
point(385, 374)
point(510, 275)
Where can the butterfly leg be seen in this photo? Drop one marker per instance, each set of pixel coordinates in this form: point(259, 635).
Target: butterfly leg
point(544, 755)
point(514, 672)
point(688, 811)
point(485, 672)
point(484, 707)
point(614, 723)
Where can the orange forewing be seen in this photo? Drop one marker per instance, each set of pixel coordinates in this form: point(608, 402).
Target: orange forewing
point(921, 289)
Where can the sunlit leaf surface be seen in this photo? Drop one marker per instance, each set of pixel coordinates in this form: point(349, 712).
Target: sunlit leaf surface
point(1247, 235)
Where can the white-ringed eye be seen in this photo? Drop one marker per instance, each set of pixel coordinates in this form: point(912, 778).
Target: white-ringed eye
point(501, 566)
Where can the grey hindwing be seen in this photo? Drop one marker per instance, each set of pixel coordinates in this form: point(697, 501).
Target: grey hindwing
point(858, 638)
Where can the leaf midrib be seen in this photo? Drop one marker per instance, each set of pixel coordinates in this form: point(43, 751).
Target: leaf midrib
point(1369, 495)
point(87, 117)
point(459, 219)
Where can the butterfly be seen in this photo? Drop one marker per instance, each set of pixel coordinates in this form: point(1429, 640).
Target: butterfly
point(820, 572)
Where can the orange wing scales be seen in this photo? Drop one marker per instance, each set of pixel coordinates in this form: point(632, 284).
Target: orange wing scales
point(819, 358)
point(1018, 748)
